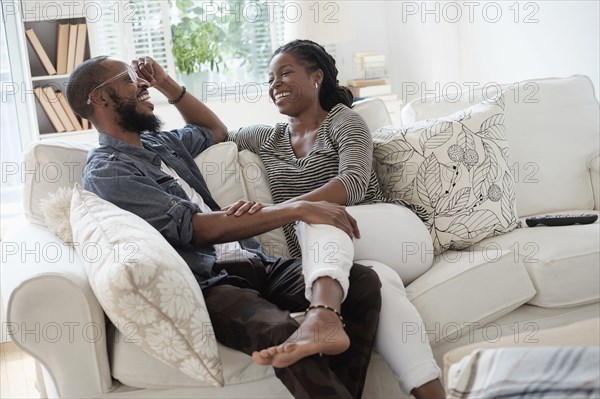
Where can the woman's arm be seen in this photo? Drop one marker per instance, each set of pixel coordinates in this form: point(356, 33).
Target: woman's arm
point(332, 191)
point(355, 153)
point(250, 137)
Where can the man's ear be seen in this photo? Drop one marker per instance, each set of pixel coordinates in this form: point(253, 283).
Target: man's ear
point(98, 97)
point(93, 98)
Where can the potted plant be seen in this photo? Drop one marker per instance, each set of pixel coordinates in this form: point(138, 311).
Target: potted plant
point(202, 39)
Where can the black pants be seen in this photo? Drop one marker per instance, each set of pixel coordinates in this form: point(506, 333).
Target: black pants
point(250, 310)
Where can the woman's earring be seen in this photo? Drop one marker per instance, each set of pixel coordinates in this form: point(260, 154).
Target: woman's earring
point(316, 85)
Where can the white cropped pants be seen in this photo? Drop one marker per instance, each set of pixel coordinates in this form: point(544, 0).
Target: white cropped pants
point(398, 247)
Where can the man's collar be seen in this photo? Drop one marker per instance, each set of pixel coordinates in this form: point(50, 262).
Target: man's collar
point(130, 149)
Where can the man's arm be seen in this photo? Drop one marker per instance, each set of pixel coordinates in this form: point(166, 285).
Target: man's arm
point(217, 227)
point(192, 110)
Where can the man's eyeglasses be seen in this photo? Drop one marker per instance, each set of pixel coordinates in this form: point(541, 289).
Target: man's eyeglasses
point(132, 75)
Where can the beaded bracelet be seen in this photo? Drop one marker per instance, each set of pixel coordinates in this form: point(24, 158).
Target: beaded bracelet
point(180, 96)
point(311, 307)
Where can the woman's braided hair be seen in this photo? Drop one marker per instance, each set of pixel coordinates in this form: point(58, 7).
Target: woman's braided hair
point(331, 92)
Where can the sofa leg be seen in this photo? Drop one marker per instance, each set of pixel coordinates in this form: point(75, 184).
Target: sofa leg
point(40, 384)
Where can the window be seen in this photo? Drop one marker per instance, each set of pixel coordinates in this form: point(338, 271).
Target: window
point(10, 140)
point(11, 210)
point(238, 36)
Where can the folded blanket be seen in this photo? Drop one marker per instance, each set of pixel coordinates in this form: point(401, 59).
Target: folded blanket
point(527, 372)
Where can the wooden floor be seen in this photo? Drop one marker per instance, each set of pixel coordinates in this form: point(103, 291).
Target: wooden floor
point(17, 373)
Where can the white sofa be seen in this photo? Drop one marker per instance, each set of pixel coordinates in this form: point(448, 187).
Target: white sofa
point(508, 285)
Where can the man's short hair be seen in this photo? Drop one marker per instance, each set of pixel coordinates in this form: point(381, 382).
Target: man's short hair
point(83, 79)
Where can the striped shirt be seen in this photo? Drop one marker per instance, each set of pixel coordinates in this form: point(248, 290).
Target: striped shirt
point(343, 150)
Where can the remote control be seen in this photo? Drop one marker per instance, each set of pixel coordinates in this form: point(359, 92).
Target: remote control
point(561, 220)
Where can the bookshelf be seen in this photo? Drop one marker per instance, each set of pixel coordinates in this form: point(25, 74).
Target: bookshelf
point(48, 69)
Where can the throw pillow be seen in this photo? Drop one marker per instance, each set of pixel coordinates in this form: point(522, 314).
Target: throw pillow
point(454, 172)
point(144, 285)
point(55, 209)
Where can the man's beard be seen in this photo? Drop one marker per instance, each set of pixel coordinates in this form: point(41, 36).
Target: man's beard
point(131, 119)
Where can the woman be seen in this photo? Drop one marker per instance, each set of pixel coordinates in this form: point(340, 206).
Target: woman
point(326, 150)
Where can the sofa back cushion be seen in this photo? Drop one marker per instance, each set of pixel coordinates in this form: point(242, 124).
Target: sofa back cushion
point(374, 112)
point(552, 127)
point(48, 166)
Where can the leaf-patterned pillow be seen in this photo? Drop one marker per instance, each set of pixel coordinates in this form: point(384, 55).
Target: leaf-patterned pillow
point(455, 173)
point(144, 285)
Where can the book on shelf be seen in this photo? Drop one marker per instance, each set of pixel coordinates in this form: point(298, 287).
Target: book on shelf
point(370, 65)
point(40, 52)
point(69, 111)
point(48, 110)
point(58, 108)
point(80, 46)
point(62, 46)
point(72, 47)
point(366, 82)
point(369, 91)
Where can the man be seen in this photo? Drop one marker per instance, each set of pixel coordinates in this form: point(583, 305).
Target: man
point(248, 295)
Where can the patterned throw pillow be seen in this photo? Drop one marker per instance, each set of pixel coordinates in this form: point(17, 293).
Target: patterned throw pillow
point(455, 173)
point(145, 287)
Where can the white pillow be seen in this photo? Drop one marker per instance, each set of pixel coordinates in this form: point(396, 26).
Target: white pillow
point(455, 171)
point(144, 286)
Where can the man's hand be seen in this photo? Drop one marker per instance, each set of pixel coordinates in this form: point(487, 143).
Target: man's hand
point(240, 207)
point(150, 70)
point(192, 110)
point(327, 213)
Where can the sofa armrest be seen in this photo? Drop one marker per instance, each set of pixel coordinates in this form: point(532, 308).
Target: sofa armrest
point(52, 313)
point(594, 166)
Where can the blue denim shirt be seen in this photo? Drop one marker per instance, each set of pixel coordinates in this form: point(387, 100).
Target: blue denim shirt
point(131, 178)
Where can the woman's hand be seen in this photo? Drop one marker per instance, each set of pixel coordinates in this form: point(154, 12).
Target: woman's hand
point(240, 207)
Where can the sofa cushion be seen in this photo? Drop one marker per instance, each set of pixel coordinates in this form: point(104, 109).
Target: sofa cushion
point(565, 272)
point(466, 289)
point(552, 127)
point(221, 170)
point(47, 166)
point(455, 170)
point(144, 286)
point(135, 368)
point(256, 184)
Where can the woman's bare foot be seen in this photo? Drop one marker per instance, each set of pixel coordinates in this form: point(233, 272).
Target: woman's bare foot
point(320, 332)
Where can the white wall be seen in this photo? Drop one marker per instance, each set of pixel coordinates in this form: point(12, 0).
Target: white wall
point(234, 112)
point(423, 48)
point(366, 31)
point(427, 45)
point(474, 47)
point(564, 41)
